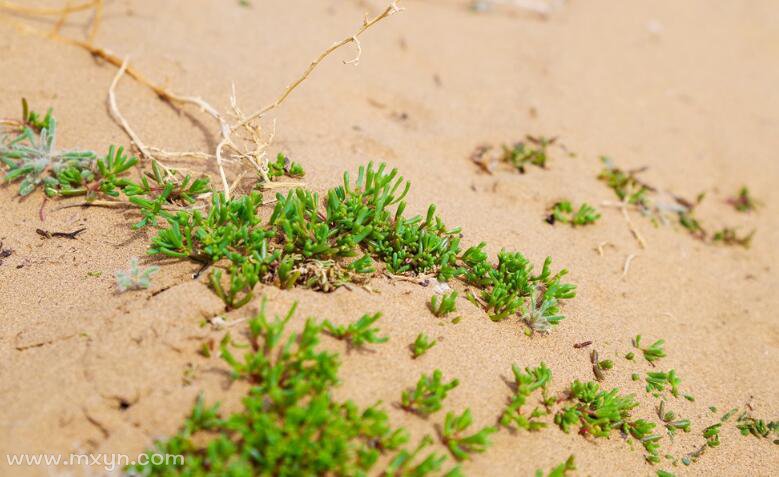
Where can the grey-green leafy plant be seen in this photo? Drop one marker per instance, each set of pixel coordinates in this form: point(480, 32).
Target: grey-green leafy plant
point(525, 384)
point(359, 333)
point(421, 345)
point(428, 395)
point(445, 305)
point(711, 434)
point(28, 152)
point(652, 352)
point(135, 278)
point(462, 446)
point(565, 213)
point(540, 317)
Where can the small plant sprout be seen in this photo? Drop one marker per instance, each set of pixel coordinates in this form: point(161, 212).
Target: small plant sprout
point(447, 303)
point(135, 278)
point(711, 434)
point(598, 366)
point(653, 352)
point(421, 345)
point(428, 395)
point(671, 420)
point(595, 411)
point(533, 151)
point(561, 470)
point(541, 317)
point(663, 473)
point(563, 212)
point(284, 167)
point(359, 333)
point(729, 236)
point(657, 382)
point(526, 384)
point(743, 201)
point(462, 446)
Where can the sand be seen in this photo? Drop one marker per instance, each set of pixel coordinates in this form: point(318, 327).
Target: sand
point(685, 88)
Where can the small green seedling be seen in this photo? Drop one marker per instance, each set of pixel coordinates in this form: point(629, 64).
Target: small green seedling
point(625, 185)
point(445, 305)
point(135, 278)
point(533, 151)
point(711, 434)
point(541, 317)
point(653, 352)
point(421, 345)
point(743, 201)
point(462, 446)
point(359, 333)
point(284, 167)
point(563, 212)
point(663, 473)
point(561, 470)
point(428, 395)
point(671, 420)
point(729, 236)
point(642, 431)
point(657, 382)
point(596, 412)
point(526, 384)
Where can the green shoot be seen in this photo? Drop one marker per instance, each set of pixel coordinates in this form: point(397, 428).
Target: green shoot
point(657, 382)
point(404, 464)
point(428, 395)
point(444, 306)
point(359, 333)
point(624, 184)
point(711, 434)
point(671, 421)
point(653, 352)
point(135, 278)
point(743, 201)
point(642, 431)
point(284, 167)
point(421, 345)
point(561, 470)
point(524, 385)
point(729, 236)
point(563, 212)
point(462, 446)
point(532, 152)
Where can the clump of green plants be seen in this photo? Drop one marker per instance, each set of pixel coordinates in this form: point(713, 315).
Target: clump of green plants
point(462, 446)
point(595, 411)
point(525, 384)
point(561, 470)
point(359, 333)
point(565, 213)
point(729, 236)
point(290, 423)
point(532, 151)
point(743, 201)
point(507, 286)
point(428, 395)
point(421, 345)
point(405, 464)
point(747, 425)
point(283, 167)
point(658, 382)
point(652, 352)
point(447, 303)
point(135, 278)
point(302, 246)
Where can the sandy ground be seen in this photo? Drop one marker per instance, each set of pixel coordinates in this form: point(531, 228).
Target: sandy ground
point(686, 88)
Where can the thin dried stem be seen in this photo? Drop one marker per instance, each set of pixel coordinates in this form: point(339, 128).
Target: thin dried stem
point(46, 11)
point(117, 115)
point(391, 9)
